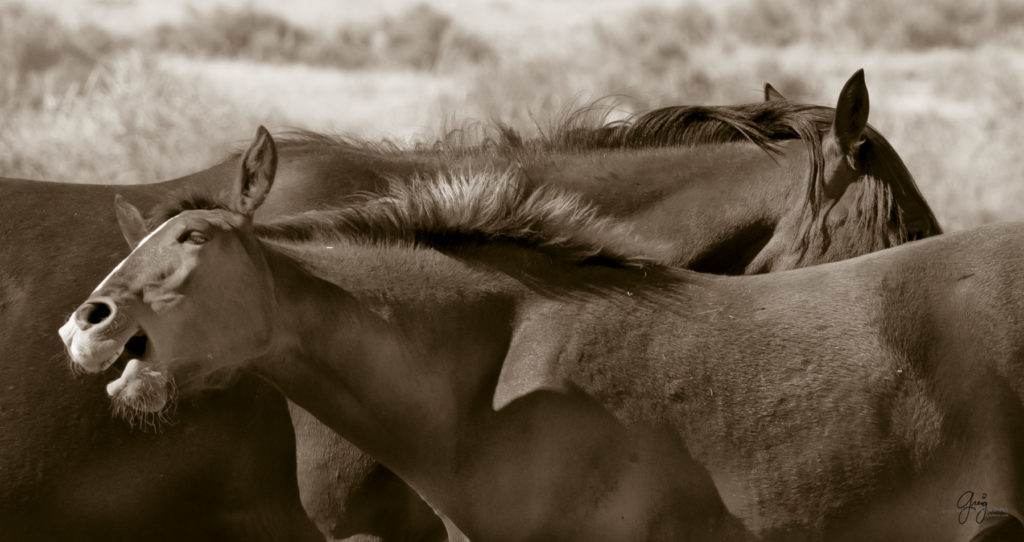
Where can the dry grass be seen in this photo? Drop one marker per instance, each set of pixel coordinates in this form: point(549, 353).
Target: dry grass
point(128, 122)
point(419, 38)
point(97, 105)
point(36, 61)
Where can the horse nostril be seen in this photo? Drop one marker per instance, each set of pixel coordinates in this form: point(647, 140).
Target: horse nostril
point(92, 313)
point(99, 313)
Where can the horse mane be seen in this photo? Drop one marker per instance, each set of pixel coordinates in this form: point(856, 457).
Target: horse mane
point(764, 124)
point(459, 210)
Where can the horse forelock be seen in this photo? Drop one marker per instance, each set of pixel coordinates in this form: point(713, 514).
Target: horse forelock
point(464, 209)
point(187, 201)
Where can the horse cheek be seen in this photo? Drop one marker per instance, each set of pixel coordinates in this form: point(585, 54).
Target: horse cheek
point(165, 296)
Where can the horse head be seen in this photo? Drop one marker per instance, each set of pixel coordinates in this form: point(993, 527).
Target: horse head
point(196, 265)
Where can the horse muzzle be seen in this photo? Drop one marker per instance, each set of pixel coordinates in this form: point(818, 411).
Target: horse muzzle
point(96, 334)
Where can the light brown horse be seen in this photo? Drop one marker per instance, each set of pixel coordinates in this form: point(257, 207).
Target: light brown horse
point(526, 366)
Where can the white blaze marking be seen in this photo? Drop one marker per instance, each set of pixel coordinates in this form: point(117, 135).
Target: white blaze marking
point(118, 266)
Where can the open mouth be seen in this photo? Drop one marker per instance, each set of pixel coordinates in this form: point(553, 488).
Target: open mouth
point(135, 348)
point(140, 386)
point(137, 344)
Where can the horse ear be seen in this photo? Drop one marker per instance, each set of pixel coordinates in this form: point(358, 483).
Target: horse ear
point(772, 95)
point(133, 227)
point(259, 164)
point(851, 114)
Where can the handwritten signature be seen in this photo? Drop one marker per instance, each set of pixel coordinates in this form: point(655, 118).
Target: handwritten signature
point(966, 504)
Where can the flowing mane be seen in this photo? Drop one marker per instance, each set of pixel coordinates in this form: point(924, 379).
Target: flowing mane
point(764, 124)
point(460, 210)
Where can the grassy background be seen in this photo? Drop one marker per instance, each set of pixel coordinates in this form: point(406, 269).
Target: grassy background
point(140, 90)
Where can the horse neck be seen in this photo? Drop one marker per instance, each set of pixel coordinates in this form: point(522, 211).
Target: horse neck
point(321, 176)
point(372, 359)
point(710, 201)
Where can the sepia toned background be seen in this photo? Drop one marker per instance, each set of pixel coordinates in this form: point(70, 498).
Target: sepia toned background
point(128, 91)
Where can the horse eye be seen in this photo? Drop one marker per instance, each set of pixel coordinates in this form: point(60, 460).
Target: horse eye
point(195, 237)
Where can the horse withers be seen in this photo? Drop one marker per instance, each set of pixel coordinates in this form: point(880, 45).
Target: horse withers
point(812, 404)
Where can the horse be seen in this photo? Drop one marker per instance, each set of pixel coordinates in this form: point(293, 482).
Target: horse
point(823, 402)
point(637, 167)
point(77, 489)
point(664, 172)
point(223, 470)
point(61, 468)
point(753, 188)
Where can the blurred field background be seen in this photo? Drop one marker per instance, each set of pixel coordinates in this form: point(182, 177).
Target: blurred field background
point(127, 91)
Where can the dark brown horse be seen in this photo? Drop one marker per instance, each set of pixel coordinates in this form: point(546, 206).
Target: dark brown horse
point(824, 402)
point(657, 187)
point(733, 189)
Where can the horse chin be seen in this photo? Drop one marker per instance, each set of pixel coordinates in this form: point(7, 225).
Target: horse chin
point(141, 393)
